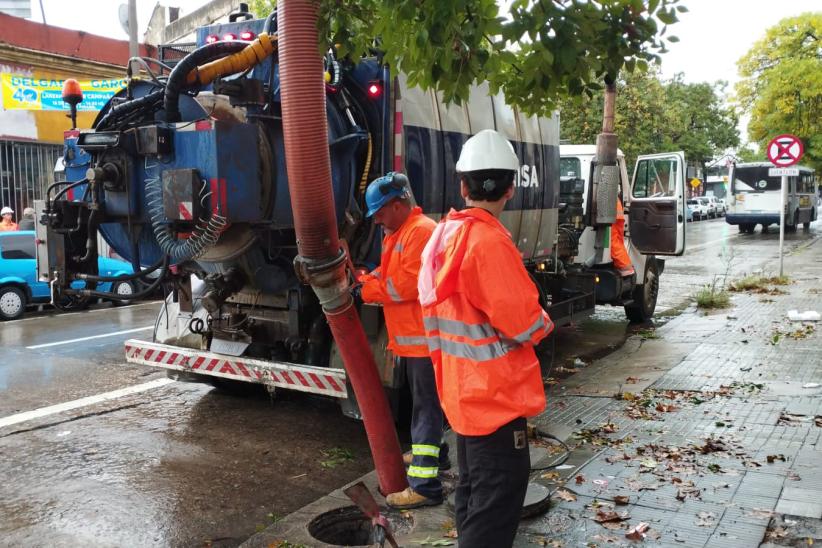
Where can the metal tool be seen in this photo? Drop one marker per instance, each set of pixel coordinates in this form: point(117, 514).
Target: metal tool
point(364, 500)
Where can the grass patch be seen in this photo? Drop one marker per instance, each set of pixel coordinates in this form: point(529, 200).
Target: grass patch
point(760, 284)
point(335, 457)
point(712, 298)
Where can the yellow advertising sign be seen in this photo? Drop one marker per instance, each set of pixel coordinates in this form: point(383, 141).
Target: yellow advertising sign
point(32, 93)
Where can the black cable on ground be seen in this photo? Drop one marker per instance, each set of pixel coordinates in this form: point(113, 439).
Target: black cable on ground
point(561, 460)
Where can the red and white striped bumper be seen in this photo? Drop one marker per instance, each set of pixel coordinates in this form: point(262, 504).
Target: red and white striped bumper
point(305, 378)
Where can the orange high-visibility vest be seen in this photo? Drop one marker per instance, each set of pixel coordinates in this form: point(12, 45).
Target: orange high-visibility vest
point(394, 285)
point(482, 318)
point(619, 255)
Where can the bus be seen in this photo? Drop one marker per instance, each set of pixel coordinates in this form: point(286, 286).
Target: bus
point(755, 198)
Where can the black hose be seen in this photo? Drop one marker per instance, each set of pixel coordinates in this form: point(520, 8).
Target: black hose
point(270, 25)
point(561, 460)
point(129, 107)
point(62, 192)
point(134, 276)
point(116, 297)
point(177, 79)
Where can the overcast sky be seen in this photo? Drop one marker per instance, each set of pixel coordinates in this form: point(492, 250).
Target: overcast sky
point(713, 35)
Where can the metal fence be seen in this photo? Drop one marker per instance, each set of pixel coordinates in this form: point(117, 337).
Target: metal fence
point(26, 170)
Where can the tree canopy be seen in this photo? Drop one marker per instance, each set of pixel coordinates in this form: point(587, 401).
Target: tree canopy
point(537, 53)
point(782, 84)
point(654, 115)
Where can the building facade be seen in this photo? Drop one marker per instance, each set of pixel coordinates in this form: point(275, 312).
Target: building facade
point(35, 59)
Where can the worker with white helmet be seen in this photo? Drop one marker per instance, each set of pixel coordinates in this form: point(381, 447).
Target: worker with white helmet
point(7, 224)
point(482, 318)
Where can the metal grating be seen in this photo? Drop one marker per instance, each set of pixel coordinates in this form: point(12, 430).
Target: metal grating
point(26, 170)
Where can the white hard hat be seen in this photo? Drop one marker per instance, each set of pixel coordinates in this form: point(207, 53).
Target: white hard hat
point(6, 210)
point(487, 149)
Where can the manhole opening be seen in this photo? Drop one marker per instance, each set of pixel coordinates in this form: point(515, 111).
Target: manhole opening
point(346, 526)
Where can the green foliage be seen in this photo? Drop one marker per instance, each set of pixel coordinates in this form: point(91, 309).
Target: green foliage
point(710, 297)
point(782, 84)
point(539, 52)
point(747, 154)
point(335, 457)
point(653, 115)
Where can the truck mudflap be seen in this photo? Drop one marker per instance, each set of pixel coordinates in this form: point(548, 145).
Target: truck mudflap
point(290, 376)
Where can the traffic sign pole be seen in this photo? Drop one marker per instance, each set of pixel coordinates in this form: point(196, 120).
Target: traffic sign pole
point(784, 151)
point(783, 201)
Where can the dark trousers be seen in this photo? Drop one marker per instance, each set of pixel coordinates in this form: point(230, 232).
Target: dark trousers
point(426, 429)
point(494, 472)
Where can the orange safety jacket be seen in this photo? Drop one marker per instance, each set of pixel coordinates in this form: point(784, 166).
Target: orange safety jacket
point(8, 227)
point(482, 318)
point(619, 255)
point(394, 285)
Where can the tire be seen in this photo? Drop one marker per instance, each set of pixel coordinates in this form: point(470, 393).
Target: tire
point(12, 303)
point(644, 298)
point(795, 225)
point(124, 287)
point(747, 228)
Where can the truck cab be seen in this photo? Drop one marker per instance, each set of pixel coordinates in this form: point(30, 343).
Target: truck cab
point(654, 203)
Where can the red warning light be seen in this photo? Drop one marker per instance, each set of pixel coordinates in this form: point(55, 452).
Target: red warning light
point(229, 37)
point(375, 90)
point(212, 38)
point(247, 35)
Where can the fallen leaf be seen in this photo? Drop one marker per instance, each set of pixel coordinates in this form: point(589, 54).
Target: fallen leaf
point(715, 468)
point(632, 380)
point(706, 519)
point(451, 534)
point(760, 513)
point(605, 538)
point(580, 479)
point(552, 476)
point(648, 463)
point(621, 500)
point(773, 458)
point(567, 496)
point(666, 408)
point(637, 532)
point(606, 516)
point(793, 476)
point(601, 482)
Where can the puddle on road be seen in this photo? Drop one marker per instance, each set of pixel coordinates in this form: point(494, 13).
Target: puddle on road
point(188, 467)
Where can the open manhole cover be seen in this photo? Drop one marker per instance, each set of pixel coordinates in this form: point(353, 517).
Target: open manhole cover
point(348, 526)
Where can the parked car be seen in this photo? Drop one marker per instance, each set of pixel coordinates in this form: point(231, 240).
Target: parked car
point(710, 207)
point(700, 211)
point(19, 286)
point(719, 205)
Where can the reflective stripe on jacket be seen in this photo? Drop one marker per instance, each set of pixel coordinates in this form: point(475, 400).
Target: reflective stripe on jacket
point(394, 285)
point(482, 318)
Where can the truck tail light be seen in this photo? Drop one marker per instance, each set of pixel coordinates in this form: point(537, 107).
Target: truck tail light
point(212, 38)
point(247, 35)
point(374, 90)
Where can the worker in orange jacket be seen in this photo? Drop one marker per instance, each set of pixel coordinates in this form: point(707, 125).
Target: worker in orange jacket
point(482, 318)
point(619, 254)
point(394, 285)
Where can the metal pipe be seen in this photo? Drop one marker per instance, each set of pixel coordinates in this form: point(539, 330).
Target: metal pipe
point(320, 262)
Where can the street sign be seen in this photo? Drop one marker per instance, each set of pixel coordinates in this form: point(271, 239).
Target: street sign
point(785, 150)
point(779, 171)
point(695, 182)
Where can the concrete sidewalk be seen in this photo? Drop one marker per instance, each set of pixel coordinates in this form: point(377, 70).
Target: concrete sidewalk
point(706, 429)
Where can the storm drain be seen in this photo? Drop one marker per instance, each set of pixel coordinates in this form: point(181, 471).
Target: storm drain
point(348, 526)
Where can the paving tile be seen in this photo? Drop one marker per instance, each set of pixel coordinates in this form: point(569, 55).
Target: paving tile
point(798, 508)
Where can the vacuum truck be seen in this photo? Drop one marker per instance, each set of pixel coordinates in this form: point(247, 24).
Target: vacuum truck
point(183, 174)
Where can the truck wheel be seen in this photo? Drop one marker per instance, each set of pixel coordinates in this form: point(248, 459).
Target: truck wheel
point(793, 227)
point(645, 295)
point(12, 303)
point(123, 288)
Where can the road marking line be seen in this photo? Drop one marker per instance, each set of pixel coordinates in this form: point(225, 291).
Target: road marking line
point(82, 402)
point(36, 346)
point(706, 244)
point(87, 312)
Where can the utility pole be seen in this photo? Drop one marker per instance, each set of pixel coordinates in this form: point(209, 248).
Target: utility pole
point(133, 45)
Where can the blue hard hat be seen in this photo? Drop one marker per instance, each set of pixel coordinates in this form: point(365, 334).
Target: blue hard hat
point(384, 189)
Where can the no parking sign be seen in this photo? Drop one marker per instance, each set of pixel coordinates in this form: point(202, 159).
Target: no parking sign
point(785, 150)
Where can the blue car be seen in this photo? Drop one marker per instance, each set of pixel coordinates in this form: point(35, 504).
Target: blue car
point(20, 287)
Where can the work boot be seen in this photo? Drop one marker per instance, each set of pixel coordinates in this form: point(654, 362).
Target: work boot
point(407, 499)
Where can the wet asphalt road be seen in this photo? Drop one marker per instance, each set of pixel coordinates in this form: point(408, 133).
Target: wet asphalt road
point(184, 465)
